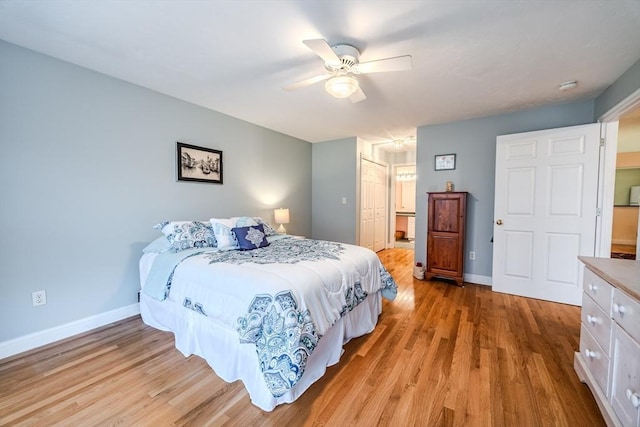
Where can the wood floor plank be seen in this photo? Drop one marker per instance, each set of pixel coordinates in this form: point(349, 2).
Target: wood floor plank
point(441, 355)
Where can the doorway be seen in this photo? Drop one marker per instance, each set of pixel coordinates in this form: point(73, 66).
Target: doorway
point(405, 205)
point(626, 115)
point(399, 157)
point(626, 198)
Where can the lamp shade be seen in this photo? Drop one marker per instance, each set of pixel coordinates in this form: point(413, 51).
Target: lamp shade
point(341, 86)
point(281, 216)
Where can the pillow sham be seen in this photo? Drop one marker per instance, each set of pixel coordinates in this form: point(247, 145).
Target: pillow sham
point(187, 234)
point(251, 237)
point(222, 230)
point(268, 229)
point(158, 246)
point(243, 221)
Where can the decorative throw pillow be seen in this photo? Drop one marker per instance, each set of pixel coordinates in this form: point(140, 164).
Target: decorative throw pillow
point(222, 230)
point(268, 229)
point(252, 237)
point(187, 234)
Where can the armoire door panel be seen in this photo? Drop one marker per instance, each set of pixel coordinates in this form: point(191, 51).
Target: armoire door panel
point(445, 251)
point(446, 214)
point(445, 235)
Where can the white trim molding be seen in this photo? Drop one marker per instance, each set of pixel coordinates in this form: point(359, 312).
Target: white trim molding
point(624, 106)
point(477, 279)
point(48, 336)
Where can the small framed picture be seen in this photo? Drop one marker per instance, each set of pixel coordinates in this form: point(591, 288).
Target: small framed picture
point(199, 164)
point(445, 162)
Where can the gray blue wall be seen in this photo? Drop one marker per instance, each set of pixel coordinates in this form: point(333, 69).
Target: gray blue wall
point(624, 86)
point(87, 167)
point(334, 176)
point(474, 143)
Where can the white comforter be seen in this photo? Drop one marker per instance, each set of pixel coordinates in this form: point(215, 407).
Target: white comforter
point(283, 297)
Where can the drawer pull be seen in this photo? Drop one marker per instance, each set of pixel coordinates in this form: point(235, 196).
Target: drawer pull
point(591, 354)
point(634, 398)
point(618, 308)
point(592, 287)
point(593, 319)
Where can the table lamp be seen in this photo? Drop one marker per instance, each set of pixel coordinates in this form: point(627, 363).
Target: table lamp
point(281, 217)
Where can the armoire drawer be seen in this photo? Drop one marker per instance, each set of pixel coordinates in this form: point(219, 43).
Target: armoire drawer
point(597, 322)
point(596, 359)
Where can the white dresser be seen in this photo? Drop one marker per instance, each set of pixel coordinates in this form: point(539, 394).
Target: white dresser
point(609, 357)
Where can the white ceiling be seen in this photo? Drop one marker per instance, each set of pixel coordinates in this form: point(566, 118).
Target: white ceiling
point(470, 58)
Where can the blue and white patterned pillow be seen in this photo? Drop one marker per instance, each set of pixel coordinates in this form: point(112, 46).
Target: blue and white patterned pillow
point(222, 230)
point(187, 234)
point(243, 221)
point(268, 229)
point(252, 237)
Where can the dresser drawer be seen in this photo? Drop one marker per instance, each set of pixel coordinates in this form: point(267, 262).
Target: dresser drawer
point(598, 289)
point(595, 358)
point(625, 379)
point(626, 313)
point(597, 322)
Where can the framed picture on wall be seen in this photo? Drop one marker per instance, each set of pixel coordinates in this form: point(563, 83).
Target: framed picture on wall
point(199, 164)
point(445, 162)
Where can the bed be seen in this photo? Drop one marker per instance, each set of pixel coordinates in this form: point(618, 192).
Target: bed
point(273, 312)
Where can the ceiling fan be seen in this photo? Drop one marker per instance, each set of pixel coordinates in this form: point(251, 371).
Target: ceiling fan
point(342, 64)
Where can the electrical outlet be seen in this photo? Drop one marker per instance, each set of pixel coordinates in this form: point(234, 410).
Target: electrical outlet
point(472, 255)
point(39, 298)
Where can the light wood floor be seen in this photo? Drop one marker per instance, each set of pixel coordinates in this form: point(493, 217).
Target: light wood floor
point(441, 355)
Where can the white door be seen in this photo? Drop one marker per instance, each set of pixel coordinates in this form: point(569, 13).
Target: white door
point(545, 211)
point(367, 197)
point(380, 207)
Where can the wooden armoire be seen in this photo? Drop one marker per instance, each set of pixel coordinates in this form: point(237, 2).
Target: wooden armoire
point(445, 235)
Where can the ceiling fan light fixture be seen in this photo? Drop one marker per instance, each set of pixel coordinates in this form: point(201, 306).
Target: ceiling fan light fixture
point(341, 86)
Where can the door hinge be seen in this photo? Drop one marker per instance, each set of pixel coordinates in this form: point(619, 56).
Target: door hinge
point(601, 142)
point(598, 211)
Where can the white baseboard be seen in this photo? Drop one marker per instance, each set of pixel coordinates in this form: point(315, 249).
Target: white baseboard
point(477, 279)
point(623, 242)
point(37, 339)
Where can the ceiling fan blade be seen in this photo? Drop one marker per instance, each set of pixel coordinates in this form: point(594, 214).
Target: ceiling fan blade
point(323, 50)
point(398, 63)
point(307, 82)
point(357, 96)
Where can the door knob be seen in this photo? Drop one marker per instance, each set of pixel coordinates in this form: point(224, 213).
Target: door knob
point(499, 222)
